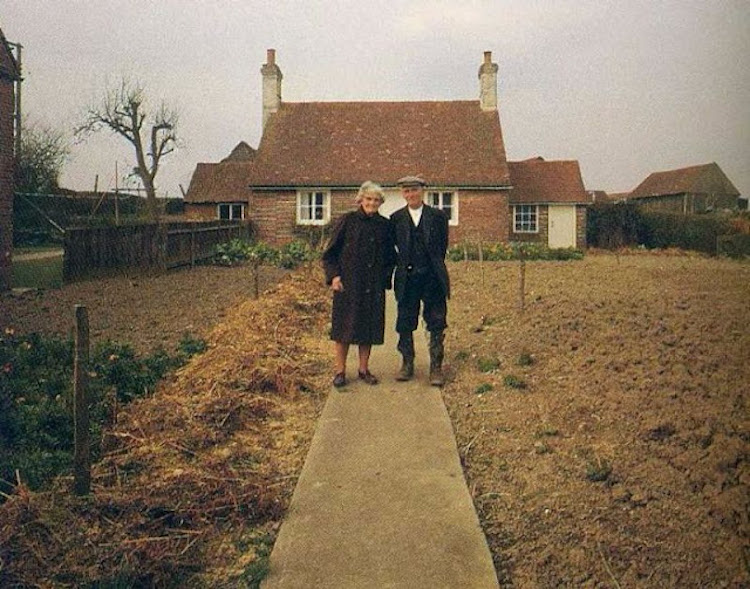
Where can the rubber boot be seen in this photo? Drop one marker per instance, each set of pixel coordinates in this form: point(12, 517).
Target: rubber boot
point(406, 347)
point(437, 351)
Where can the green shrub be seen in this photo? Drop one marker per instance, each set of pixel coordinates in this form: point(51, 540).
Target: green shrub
point(614, 225)
point(295, 253)
point(690, 232)
point(289, 256)
point(499, 252)
point(36, 413)
point(231, 253)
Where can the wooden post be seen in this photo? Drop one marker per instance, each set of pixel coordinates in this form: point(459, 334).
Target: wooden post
point(192, 247)
point(481, 264)
point(521, 279)
point(81, 458)
point(256, 278)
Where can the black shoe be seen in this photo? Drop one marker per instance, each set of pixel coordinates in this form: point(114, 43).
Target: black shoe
point(339, 380)
point(368, 377)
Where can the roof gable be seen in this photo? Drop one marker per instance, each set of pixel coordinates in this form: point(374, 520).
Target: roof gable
point(344, 143)
point(224, 182)
point(701, 179)
point(537, 181)
point(242, 152)
point(8, 65)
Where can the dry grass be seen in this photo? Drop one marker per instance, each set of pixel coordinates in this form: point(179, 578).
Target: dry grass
point(195, 478)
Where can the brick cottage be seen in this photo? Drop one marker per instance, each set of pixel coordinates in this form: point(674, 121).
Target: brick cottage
point(9, 74)
point(313, 156)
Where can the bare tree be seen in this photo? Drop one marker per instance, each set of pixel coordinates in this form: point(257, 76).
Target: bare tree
point(40, 159)
point(125, 110)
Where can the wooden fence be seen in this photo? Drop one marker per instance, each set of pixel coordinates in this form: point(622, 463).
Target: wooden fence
point(145, 247)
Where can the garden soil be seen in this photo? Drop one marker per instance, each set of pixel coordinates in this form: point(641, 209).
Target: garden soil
point(604, 429)
point(147, 312)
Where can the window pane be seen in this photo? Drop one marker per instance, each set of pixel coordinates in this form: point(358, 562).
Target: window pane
point(447, 199)
point(236, 211)
point(224, 212)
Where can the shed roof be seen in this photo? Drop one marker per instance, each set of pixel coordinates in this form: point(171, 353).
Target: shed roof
point(701, 179)
point(450, 143)
point(537, 181)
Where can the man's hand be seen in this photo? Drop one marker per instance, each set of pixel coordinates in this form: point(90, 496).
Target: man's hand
point(337, 285)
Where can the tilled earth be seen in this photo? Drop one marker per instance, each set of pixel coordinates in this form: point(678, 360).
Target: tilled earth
point(605, 430)
point(147, 312)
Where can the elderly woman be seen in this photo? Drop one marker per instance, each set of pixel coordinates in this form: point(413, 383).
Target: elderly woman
point(358, 263)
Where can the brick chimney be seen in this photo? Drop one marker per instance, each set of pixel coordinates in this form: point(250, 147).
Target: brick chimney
point(488, 83)
point(271, 85)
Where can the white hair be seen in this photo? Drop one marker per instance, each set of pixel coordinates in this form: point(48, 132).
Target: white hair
point(369, 187)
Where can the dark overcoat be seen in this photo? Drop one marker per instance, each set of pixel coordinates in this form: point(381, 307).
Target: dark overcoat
point(435, 226)
point(361, 251)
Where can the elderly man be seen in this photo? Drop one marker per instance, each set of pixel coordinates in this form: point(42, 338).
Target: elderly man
point(421, 277)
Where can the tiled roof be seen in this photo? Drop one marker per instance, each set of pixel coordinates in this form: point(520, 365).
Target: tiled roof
point(242, 152)
point(224, 182)
point(536, 181)
point(344, 143)
point(8, 65)
point(702, 179)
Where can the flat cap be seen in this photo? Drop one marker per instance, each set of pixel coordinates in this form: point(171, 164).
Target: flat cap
point(411, 181)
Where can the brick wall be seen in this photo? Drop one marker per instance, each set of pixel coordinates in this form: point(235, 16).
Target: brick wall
point(6, 180)
point(482, 216)
point(274, 214)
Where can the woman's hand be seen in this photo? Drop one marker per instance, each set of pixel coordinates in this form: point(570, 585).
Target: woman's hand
point(337, 285)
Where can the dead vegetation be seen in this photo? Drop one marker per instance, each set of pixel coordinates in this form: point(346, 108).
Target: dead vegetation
point(196, 477)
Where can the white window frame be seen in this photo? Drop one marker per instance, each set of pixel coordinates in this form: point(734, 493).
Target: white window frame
point(519, 210)
point(231, 206)
point(436, 198)
point(303, 196)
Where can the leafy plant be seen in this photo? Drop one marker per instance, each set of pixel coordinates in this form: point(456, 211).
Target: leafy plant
point(488, 364)
point(36, 424)
point(513, 382)
point(483, 388)
point(525, 359)
point(501, 251)
point(598, 470)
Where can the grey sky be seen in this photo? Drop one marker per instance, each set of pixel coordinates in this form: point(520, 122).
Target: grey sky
point(625, 87)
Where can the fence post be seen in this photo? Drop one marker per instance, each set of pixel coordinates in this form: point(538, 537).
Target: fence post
point(192, 247)
point(256, 277)
point(81, 458)
point(481, 263)
point(521, 279)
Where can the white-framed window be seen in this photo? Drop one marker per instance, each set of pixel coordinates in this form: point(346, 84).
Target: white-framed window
point(446, 201)
point(313, 207)
point(526, 219)
point(230, 211)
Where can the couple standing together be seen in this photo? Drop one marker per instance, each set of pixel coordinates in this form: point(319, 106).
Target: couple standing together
point(359, 261)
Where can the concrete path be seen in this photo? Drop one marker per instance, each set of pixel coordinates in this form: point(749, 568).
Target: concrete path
point(382, 501)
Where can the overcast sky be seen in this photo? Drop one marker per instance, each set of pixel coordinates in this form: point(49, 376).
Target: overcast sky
point(625, 87)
